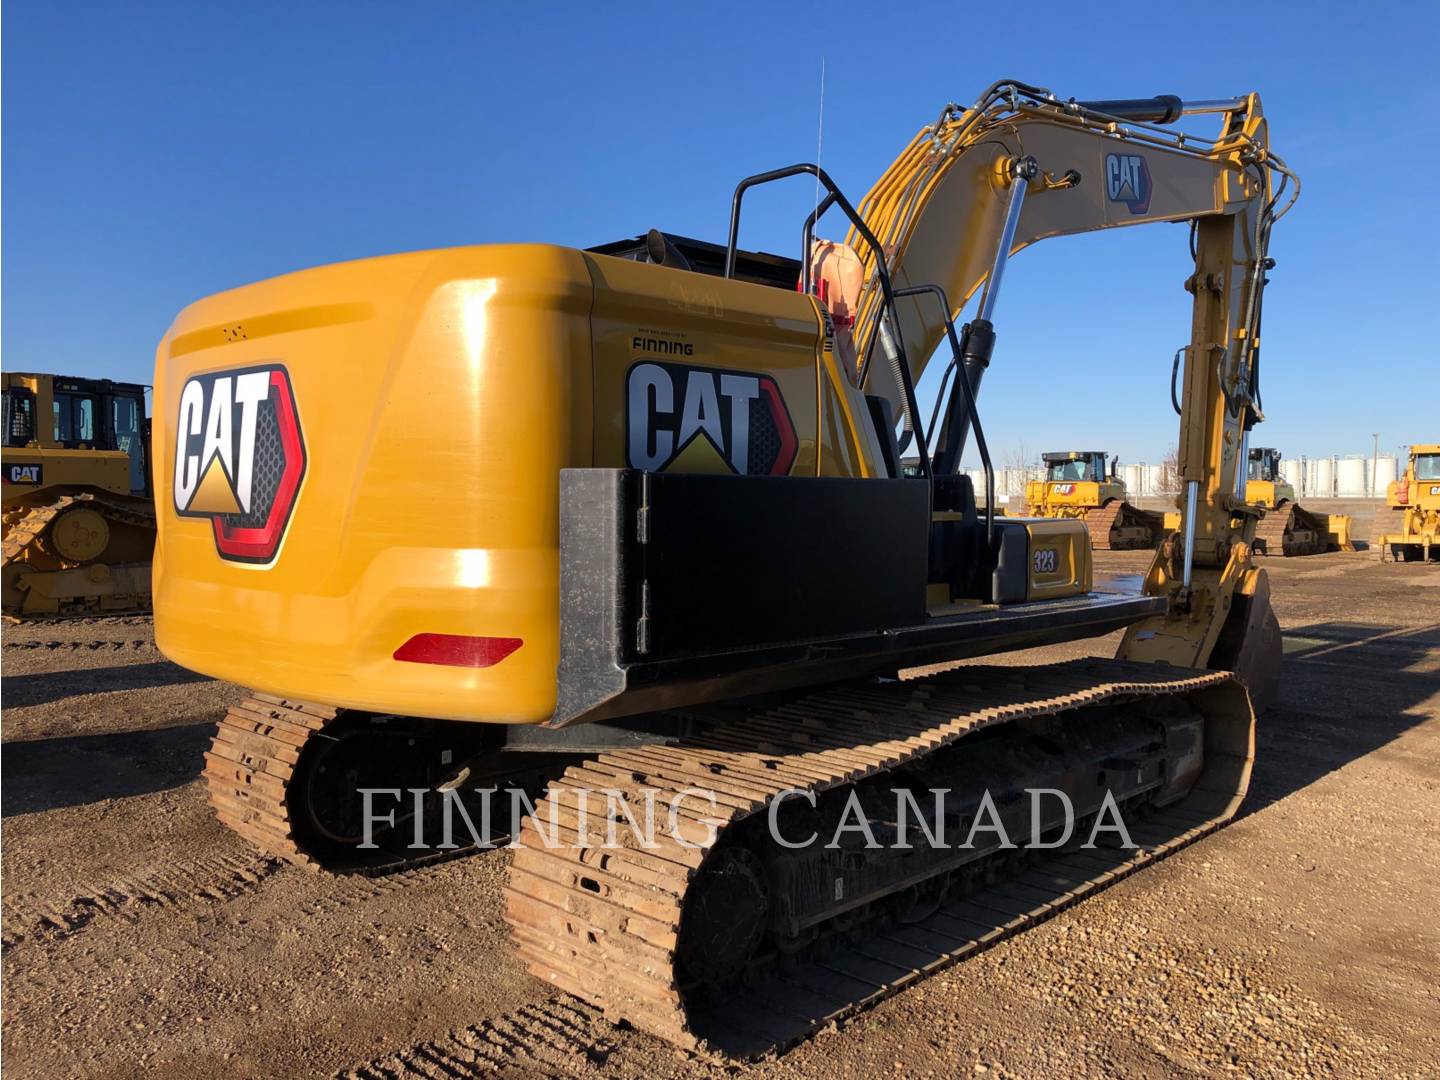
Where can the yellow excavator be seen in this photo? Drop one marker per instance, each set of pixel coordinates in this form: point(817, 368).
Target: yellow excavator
point(669, 548)
point(79, 523)
point(1078, 485)
point(1288, 528)
point(1409, 526)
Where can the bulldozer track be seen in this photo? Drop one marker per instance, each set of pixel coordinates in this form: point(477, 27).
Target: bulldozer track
point(1103, 521)
point(1281, 531)
point(210, 880)
point(25, 530)
point(29, 528)
point(605, 924)
point(556, 1037)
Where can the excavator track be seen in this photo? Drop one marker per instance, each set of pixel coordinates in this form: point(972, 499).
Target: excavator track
point(617, 925)
point(1118, 526)
point(25, 529)
point(249, 764)
point(256, 765)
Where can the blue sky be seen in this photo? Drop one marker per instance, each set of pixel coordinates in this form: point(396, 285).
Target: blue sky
point(155, 153)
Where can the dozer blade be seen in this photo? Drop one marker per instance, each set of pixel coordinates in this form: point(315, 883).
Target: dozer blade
point(1337, 531)
point(718, 937)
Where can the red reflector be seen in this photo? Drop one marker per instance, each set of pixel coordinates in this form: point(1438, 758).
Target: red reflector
point(457, 650)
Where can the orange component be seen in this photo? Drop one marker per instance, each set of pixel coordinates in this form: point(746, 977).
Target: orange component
point(839, 275)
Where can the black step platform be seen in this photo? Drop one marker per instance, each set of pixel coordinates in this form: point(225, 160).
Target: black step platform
point(678, 590)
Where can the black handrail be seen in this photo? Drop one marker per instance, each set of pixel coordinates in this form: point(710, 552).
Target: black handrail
point(807, 239)
point(963, 380)
point(811, 169)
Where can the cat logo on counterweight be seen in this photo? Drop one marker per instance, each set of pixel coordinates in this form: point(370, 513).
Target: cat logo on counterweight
point(239, 458)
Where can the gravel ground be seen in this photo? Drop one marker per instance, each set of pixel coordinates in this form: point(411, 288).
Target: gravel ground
point(142, 938)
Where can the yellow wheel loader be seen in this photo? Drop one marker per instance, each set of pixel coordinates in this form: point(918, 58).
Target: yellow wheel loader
point(1409, 526)
point(679, 564)
point(79, 522)
point(1288, 528)
point(1077, 485)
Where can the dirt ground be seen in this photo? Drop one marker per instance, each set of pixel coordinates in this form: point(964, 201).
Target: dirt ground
point(141, 938)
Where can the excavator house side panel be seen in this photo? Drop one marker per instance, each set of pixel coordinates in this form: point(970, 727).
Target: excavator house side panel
point(699, 374)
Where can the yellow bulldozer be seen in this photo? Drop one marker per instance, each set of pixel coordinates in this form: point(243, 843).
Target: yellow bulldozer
point(1288, 528)
point(79, 522)
point(1077, 485)
point(1409, 526)
point(679, 559)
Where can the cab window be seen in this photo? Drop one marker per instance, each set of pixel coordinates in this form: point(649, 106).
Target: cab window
point(1427, 466)
point(74, 418)
point(19, 417)
point(127, 418)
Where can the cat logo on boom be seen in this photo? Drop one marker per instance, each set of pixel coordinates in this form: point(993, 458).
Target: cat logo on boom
point(1127, 180)
point(239, 458)
point(698, 419)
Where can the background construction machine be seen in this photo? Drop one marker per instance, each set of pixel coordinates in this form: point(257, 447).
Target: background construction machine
point(1288, 528)
point(668, 491)
point(1078, 485)
point(1410, 523)
point(79, 524)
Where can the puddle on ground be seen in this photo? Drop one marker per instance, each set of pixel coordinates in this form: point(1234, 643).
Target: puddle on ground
point(1130, 584)
point(1290, 643)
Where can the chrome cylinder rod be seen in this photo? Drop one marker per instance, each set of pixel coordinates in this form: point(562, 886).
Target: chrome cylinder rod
point(1020, 174)
point(1192, 491)
point(1242, 469)
point(1213, 105)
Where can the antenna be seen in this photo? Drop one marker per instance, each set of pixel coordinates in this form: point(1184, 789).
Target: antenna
point(819, 139)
